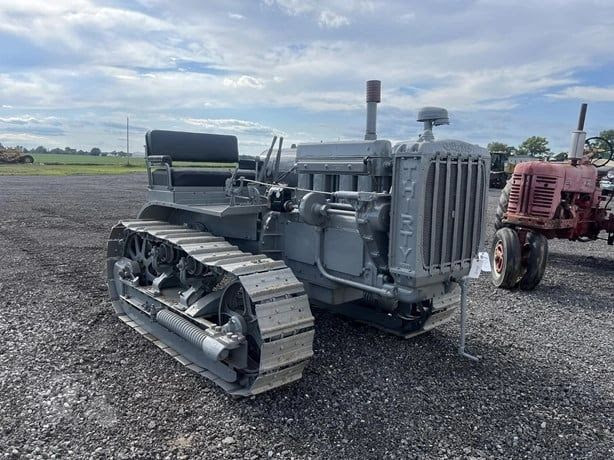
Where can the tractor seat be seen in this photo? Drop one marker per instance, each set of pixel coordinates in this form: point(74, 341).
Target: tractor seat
point(196, 177)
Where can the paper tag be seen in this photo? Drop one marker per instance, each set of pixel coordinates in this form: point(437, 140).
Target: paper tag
point(485, 261)
point(475, 270)
point(479, 264)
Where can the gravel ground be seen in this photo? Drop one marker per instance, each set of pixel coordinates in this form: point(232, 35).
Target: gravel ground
point(75, 382)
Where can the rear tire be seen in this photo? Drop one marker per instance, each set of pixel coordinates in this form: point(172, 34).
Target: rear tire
point(537, 246)
point(505, 259)
point(504, 199)
point(27, 159)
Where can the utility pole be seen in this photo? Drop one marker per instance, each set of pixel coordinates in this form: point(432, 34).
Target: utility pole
point(128, 140)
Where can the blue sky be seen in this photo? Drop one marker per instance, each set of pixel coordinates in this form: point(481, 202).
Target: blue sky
point(71, 71)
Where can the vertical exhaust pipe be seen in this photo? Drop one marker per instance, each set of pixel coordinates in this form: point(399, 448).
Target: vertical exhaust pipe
point(576, 151)
point(374, 96)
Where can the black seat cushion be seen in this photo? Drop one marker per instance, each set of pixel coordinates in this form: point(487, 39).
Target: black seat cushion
point(195, 177)
point(191, 177)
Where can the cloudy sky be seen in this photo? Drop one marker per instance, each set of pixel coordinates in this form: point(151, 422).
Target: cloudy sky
point(71, 71)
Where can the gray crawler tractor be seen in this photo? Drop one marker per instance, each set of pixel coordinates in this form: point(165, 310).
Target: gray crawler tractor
point(220, 267)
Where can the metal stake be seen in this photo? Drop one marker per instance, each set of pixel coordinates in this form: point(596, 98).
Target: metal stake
point(463, 319)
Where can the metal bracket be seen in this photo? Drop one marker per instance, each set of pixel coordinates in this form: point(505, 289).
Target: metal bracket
point(163, 280)
point(160, 160)
point(194, 292)
point(206, 305)
point(463, 283)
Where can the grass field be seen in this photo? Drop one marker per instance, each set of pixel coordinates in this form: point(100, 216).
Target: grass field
point(69, 165)
point(86, 160)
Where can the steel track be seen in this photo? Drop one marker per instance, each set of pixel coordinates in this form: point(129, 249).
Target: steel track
point(280, 306)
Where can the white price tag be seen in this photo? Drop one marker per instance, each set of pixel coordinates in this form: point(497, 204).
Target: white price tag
point(475, 270)
point(479, 264)
point(485, 261)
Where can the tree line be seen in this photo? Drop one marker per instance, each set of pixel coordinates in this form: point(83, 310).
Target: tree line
point(537, 146)
point(95, 151)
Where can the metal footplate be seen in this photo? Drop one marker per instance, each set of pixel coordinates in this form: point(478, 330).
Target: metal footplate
point(266, 349)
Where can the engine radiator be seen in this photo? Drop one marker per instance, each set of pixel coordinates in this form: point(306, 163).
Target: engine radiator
point(453, 200)
point(439, 203)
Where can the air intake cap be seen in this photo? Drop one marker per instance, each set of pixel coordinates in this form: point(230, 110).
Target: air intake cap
point(436, 115)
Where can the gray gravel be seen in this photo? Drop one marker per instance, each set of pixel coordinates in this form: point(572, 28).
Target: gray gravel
point(75, 382)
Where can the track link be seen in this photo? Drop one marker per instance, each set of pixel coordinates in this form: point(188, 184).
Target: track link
point(279, 305)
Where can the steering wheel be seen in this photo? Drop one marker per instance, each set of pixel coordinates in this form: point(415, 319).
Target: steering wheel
point(603, 141)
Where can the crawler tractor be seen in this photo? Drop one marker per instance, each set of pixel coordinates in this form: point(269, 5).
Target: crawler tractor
point(545, 200)
point(220, 267)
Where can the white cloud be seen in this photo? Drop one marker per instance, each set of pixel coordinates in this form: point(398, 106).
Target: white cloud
point(296, 7)
point(494, 89)
point(168, 64)
point(406, 18)
point(244, 81)
point(8, 138)
point(334, 16)
point(21, 90)
point(313, 73)
point(19, 120)
point(586, 93)
point(228, 124)
point(332, 20)
point(292, 7)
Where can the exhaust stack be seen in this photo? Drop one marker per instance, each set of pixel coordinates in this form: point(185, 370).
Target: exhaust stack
point(576, 151)
point(374, 96)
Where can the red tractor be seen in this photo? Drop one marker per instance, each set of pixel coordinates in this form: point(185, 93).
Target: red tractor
point(544, 200)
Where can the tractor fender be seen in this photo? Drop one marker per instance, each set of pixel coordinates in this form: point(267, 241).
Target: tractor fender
point(225, 221)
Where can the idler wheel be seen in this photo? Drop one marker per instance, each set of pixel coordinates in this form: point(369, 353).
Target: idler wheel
point(236, 315)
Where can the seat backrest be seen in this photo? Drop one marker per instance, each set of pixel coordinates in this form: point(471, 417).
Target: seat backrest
point(183, 146)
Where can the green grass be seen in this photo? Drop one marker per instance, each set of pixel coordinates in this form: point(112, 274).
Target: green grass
point(38, 169)
point(86, 160)
point(69, 165)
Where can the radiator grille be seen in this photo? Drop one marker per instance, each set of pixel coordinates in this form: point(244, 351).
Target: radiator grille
point(513, 204)
point(543, 196)
point(453, 204)
point(532, 195)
